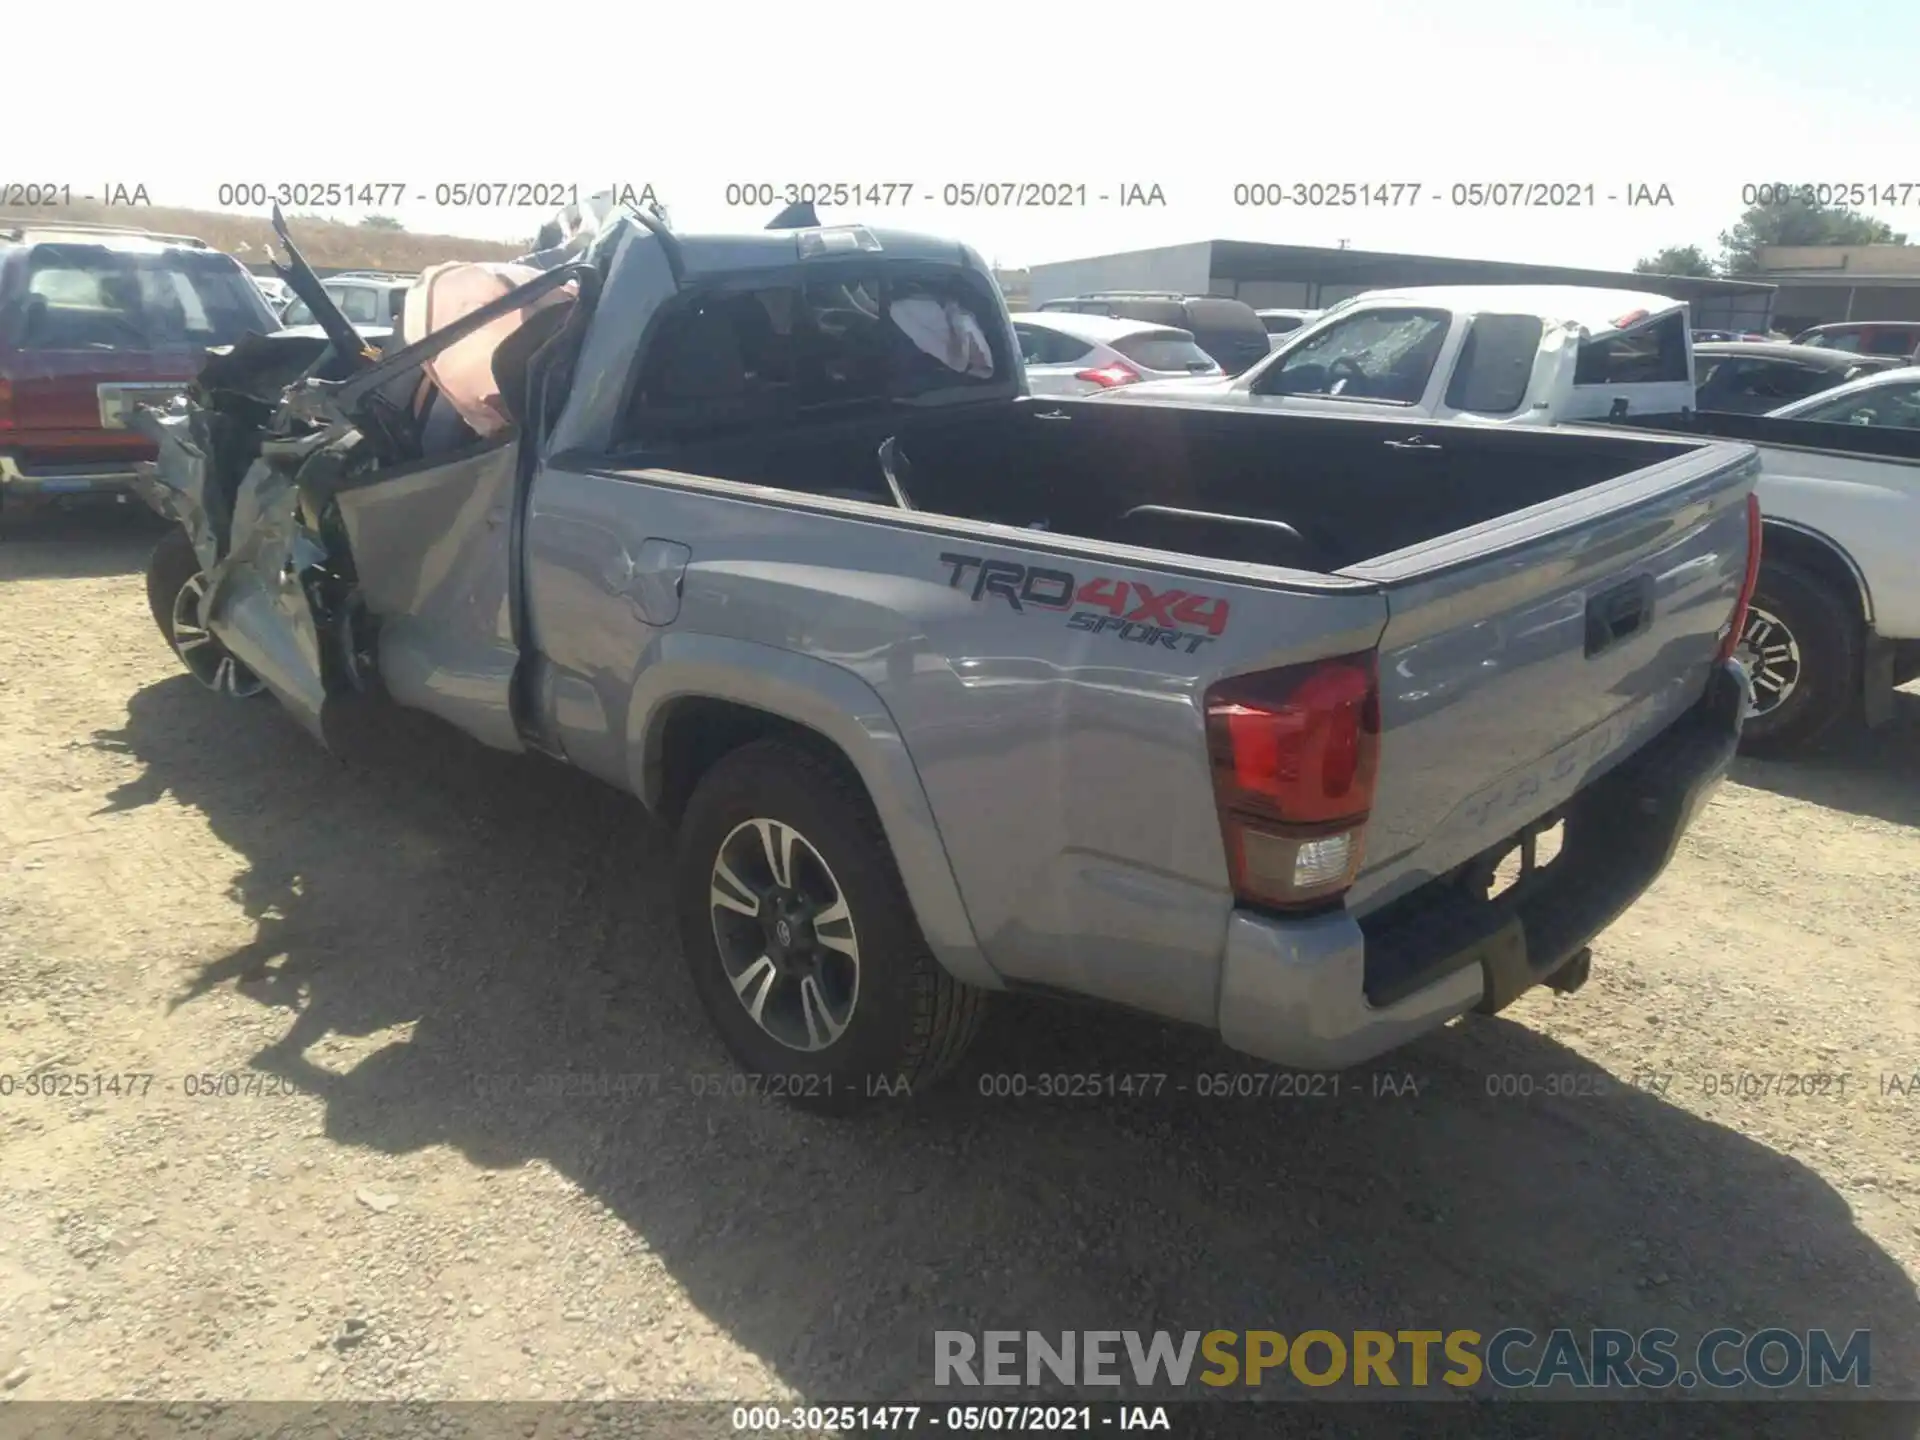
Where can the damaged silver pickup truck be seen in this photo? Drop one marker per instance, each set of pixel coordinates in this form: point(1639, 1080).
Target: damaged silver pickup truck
point(1229, 716)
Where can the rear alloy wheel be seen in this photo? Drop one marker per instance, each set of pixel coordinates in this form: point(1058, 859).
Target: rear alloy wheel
point(800, 940)
point(785, 934)
point(176, 591)
point(1802, 647)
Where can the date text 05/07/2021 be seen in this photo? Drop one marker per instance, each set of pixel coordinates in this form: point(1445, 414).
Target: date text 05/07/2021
point(1491, 194)
point(1003, 194)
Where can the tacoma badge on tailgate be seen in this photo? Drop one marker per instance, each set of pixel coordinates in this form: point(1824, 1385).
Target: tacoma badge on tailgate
point(1578, 756)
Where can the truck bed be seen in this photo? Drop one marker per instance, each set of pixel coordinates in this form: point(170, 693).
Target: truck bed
point(1489, 558)
point(1180, 479)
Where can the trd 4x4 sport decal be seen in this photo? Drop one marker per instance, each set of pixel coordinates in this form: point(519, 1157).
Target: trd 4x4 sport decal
point(1174, 619)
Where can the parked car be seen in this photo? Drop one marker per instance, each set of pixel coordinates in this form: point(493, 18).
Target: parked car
point(1721, 337)
point(279, 294)
point(1226, 717)
point(1284, 322)
point(1227, 330)
point(370, 300)
point(92, 319)
point(1753, 379)
point(1897, 338)
point(1506, 354)
point(1835, 623)
point(1889, 398)
point(1072, 354)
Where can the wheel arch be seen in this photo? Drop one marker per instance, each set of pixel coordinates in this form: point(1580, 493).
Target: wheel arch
point(700, 698)
point(1806, 548)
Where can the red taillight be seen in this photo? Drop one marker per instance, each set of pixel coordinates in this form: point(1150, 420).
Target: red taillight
point(1295, 753)
point(1737, 622)
point(6, 405)
point(1108, 376)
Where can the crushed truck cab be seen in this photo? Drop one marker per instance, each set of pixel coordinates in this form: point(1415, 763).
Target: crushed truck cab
point(1229, 716)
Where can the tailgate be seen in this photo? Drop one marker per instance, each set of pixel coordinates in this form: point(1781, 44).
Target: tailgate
point(1524, 657)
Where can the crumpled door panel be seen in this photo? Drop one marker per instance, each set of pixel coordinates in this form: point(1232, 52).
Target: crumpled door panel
point(256, 599)
point(338, 562)
point(430, 548)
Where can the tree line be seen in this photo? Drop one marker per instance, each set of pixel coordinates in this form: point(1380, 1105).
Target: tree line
point(1792, 220)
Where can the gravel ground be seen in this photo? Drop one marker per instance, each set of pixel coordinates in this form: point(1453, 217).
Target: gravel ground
point(383, 1201)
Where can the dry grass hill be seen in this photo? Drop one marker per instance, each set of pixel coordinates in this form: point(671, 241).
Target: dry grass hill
point(328, 244)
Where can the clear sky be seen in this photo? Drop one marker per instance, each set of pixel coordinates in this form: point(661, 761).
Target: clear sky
point(1701, 96)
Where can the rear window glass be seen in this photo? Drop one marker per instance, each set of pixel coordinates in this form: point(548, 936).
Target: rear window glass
point(837, 341)
point(1042, 346)
point(82, 297)
point(1164, 350)
point(1495, 365)
point(1891, 342)
point(1848, 340)
point(361, 304)
point(1653, 354)
point(1223, 316)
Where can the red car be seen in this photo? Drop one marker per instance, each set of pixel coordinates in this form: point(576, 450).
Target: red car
point(94, 320)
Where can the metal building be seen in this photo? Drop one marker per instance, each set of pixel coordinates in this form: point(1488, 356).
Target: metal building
point(1312, 277)
point(1820, 284)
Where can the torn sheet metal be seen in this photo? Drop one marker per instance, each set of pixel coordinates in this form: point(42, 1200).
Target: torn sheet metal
point(257, 598)
point(208, 438)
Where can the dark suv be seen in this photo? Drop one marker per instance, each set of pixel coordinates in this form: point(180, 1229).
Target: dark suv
point(1228, 330)
point(95, 319)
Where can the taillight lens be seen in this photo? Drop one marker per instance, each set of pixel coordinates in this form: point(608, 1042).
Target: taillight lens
point(1737, 622)
point(1108, 376)
point(6, 405)
point(1295, 755)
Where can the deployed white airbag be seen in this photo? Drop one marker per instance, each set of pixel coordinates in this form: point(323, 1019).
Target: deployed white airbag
point(946, 331)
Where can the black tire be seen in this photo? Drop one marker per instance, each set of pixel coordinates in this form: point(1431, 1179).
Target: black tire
point(1828, 638)
point(910, 1021)
point(172, 564)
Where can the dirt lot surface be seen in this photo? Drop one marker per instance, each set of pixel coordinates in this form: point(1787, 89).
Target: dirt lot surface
point(383, 1201)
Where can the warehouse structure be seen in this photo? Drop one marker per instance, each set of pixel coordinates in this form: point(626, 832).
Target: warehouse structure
point(1822, 284)
point(1313, 277)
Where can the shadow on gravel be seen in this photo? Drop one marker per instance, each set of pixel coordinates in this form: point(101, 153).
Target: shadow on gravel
point(518, 914)
point(77, 544)
point(1869, 772)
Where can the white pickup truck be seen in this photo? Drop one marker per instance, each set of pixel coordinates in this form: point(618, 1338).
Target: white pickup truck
point(1505, 354)
point(1835, 623)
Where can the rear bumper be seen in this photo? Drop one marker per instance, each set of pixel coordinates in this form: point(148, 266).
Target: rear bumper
point(30, 480)
point(1330, 991)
